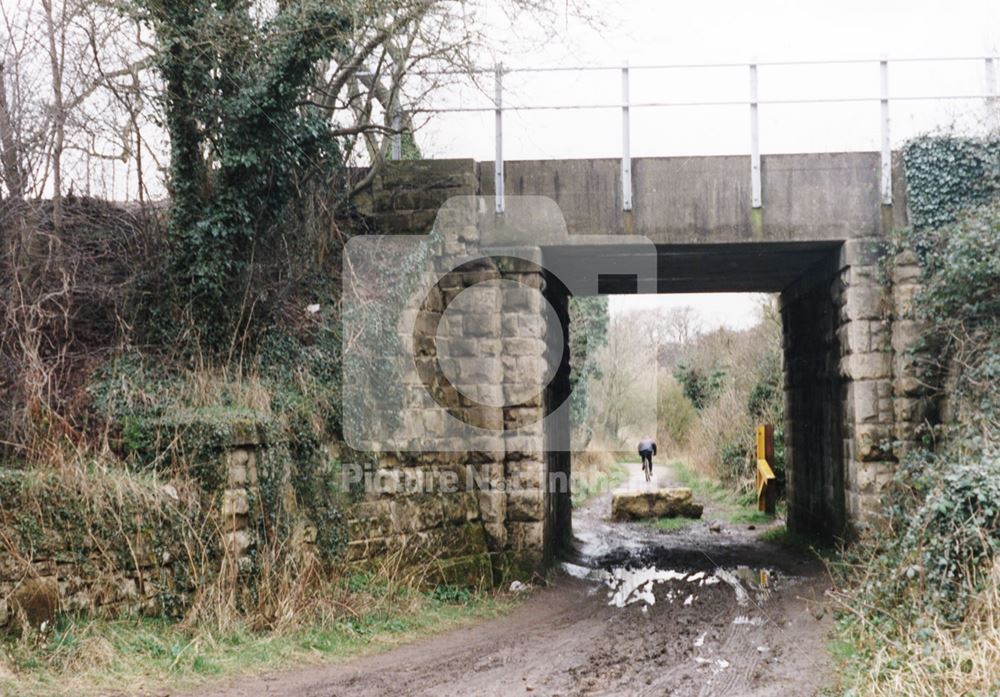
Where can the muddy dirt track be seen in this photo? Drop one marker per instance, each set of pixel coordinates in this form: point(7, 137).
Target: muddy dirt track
point(696, 618)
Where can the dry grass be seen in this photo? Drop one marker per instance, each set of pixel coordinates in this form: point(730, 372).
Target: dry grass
point(719, 441)
point(929, 657)
point(723, 422)
point(349, 615)
point(675, 415)
point(288, 583)
point(64, 307)
point(588, 461)
point(212, 385)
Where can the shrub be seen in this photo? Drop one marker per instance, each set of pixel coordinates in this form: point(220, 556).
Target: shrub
point(923, 589)
point(736, 378)
point(588, 332)
point(675, 413)
point(946, 176)
point(700, 386)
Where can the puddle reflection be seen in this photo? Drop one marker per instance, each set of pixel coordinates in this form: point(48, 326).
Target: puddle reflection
point(646, 585)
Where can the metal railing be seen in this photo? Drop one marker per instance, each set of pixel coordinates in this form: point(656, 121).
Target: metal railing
point(752, 101)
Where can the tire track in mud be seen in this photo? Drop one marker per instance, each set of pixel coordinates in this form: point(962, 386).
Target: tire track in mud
point(724, 644)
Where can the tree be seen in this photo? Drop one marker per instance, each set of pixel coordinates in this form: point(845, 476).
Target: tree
point(261, 102)
point(588, 333)
point(70, 68)
point(701, 387)
point(10, 158)
point(241, 141)
point(680, 325)
point(402, 52)
point(55, 33)
point(624, 392)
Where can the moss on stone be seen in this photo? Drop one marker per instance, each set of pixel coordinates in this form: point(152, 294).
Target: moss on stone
point(515, 566)
point(472, 570)
point(90, 530)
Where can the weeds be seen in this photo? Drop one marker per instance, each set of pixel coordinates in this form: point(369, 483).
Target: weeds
point(901, 649)
point(737, 509)
point(703, 488)
point(325, 618)
point(451, 594)
point(920, 596)
point(796, 542)
point(672, 524)
point(734, 382)
point(752, 517)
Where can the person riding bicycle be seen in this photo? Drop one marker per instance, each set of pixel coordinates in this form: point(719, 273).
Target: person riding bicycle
point(647, 448)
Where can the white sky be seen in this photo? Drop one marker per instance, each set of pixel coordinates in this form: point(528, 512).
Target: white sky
point(714, 31)
point(733, 310)
point(645, 32)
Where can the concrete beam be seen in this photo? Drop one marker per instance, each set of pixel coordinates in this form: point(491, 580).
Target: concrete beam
point(758, 267)
point(707, 200)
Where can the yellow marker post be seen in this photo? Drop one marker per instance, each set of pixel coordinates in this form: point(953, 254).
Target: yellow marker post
point(767, 491)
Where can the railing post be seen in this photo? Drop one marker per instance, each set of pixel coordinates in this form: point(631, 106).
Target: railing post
point(886, 150)
point(767, 490)
point(754, 140)
point(498, 156)
point(992, 105)
point(397, 137)
point(626, 149)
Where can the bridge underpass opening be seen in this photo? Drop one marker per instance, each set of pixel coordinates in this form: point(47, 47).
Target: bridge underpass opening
point(806, 277)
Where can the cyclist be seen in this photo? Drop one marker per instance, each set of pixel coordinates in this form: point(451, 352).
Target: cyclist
point(647, 448)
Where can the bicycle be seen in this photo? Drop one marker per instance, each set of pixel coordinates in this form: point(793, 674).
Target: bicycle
point(647, 467)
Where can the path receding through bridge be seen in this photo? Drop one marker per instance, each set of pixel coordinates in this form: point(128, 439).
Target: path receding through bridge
point(639, 611)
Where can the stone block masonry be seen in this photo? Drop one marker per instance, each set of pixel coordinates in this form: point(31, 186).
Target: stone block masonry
point(101, 543)
point(492, 513)
point(481, 325)
point(113, 543)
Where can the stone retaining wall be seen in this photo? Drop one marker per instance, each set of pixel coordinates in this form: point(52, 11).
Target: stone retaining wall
point(62, 553)
point(131, 544)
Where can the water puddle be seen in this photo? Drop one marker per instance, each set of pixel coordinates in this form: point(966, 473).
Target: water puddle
point(627, 585)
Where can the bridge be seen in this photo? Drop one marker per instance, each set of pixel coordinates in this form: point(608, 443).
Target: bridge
point(851, 399)
point(808, 227)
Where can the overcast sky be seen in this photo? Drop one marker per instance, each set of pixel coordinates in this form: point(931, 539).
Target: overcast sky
point(645, 32)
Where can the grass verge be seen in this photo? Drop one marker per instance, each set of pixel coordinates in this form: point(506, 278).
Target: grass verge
point(730, 506)
point(726, 504)
point(82, 656)
point(882, 653)
point(597, 480)
point(804, 545)
point(703, 488)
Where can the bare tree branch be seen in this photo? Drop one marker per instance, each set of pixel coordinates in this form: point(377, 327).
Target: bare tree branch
point(9, 152)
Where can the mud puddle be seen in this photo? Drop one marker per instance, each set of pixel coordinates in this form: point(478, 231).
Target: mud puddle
point(646, 585)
